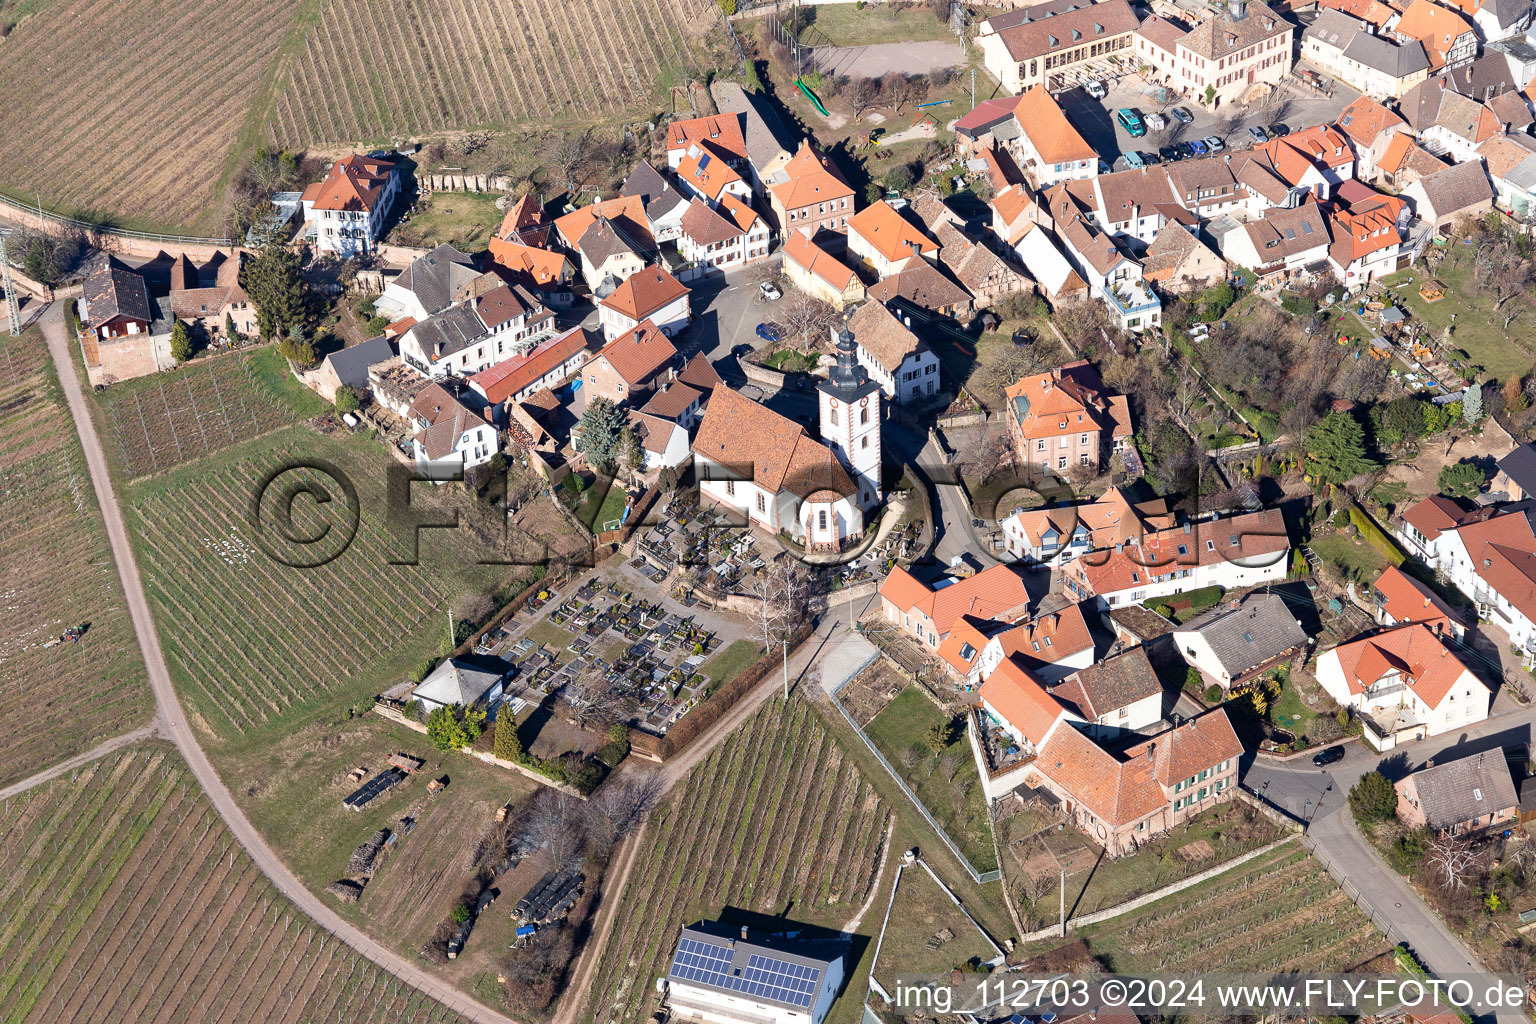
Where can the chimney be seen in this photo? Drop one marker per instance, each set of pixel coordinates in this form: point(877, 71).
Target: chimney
point(743, 933)
point(1237, 10)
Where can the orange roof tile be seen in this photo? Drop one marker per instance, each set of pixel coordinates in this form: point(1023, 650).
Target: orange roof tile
point(1048, 130)
point(1068, 400)
point(1433, 515)
point(500, 382)
point(892, 235)
point(1436, 27)
point(722, 131)
point(807, 254)
point(645, 292)
point(355, 183)
point(964, 635)
point(630, 210)
point(704, 168)
point(770, 450)
point(1426, 665)
point(809, 180)
point(1256, 538)
point(1405, 599)
point(990, 594)
point(1015, 694)
point(540, 267)
point(524, 222)
point(638, 354)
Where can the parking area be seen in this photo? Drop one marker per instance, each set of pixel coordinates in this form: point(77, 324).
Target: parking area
point(1292, 104)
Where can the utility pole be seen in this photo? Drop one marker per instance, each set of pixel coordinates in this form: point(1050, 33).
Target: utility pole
point(973, 88)
point(12, 310)
point(1061, 890)
point(785, 642)
point(450, 630)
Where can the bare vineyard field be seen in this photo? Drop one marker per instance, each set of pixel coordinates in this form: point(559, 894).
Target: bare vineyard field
point(778, 816)
point(159, 422)
point(127, 899)
point(253, 640)
point(56, 571)
point(1280, 913)
point(132, 109)
point(481, 63)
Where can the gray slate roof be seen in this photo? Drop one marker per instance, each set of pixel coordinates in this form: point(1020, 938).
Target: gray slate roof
point(1458, 187)
point(351, 364)
point(656, 193)
point(1520, 466)
point(113, 290)
point(1383, 55)
point(1334, 28)
point(436, 277)
point(457, 682)
point(453, 329)
point(764, 132)
point(1464, 789)
point(1261, 627)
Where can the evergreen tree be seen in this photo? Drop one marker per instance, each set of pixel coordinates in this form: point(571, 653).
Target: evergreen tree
point(271, 279)
point(229, 327)
point(1336, 449)
point(508, 747)
point(601, 426)
point(1472, 403)
point(631, 450)
point(181, 342)
point(1462, 480)
point(1373, 798)
point(297, 349)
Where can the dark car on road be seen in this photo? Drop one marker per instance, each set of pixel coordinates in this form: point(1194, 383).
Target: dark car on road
point(1277, 130)
point(1185, 150)
point(1324, 758)
point(1182, 115)
point(770, 332)
point(1169, 153)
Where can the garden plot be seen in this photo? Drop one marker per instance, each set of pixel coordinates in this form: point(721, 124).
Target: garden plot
point(128, 900)
point(776, 818)
point(56, 572)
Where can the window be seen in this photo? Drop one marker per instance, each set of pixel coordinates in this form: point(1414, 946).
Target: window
point(730, 488)
point(833, 415)
point(1040, 445)
point(1135, 577)
point(1048, 642)
point(1036, 644)
point(762, 502)
point(1061, 463)
point(863, 416)
point(821, 519)
point(1210, 545)
point(865, 441)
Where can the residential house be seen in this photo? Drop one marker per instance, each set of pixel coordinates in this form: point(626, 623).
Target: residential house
point(211, 294)
point(1367, 232)
point(1380, 16)
point(1179, 263)
point(429, 284)
point(929, 612)
point(818, 273)
point(1448, 124)
point(731, 235)
point(1445, 198)
point(1053, 275)
point(724, 975)
point(768, 468)
point(348, 367)
point(545, 271)
point(1207, 187)
point(1447, 38)
point(906, 369)
point(1285, 241)
point(1113, 696)
point(1238, 640)
point(1376, 65)
point(1405, 162)
point(812, 197)
point(1236, 48)
point(1315, 159)
point(1012, 214)
point(1054, 536)
point(923, 286)
point(1495, 19)
point(524, 223)
point(985, 275)
point(675, 401)
point(769, 143)
point(664, 205)
point(345, 212)
point(450, 438)
point(1065, 418)
point(630, 363)
point(886, 241)
point(613, 251)
point(1051, 645)
point(1053, 46)
point(705, 173)
point(1516, 474)
point(1422, 526)
point(1112, 274)
point(471, 336)
point(1240, 551)
point(1370, 127)
point(1403, 683)
point(546, 366)
point(721, 132)
point(1511, 164)
point(1400, 599)
point(650, 294)
point(114, 301)
point(1048, 148)
point(664, 443)
point(1466, 796)
point(460, 682)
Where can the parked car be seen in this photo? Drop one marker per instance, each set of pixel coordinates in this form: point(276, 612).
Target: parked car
point(1157, 122)
point(1182, 115)
point(1133, 160)
point(1257, 135)
point(770, 332)
point(1185, 150)
point(1149, 158)
point(1095, 88)
point(1197, 147)
point(1326, 757)
point(1169, 153)
point(1278, 129)
point(770, 291)
point(1214, 144)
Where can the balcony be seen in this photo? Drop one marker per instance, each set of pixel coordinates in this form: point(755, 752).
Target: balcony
point(1131, 298)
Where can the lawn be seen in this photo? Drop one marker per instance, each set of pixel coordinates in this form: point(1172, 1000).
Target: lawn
point(1280, 913)
point(132, 881)
point(920, 913)
point(946, 783)
point(847, 25)
point(593, 510)
point(1035, 851)
point(731, 662)
point(262, 628)
point(1353, 557)
point(788, 360)
point(58, 572)
point(1477, 330)
point(778, 820)
point(461, 219)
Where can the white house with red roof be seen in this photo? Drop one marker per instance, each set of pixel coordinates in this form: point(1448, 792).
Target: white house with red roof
point(720, 132)
point(1052, 644)
point(928, 612)
point(546, 366)
point(1405, 684)
point(344, 214)
point(886, 240)
point(1400, 599)
point(650, 293)
point(450, 437)
point(1238, 551)
point(729, 234)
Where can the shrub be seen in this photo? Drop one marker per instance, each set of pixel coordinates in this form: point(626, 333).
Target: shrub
point(1374, 537)
point(1373, 799)
point(727, 7)
point(459, 914)
point(454, 728)
point(1212, 694)
point(376, 324)
point(346, 400)
point(1193, 680)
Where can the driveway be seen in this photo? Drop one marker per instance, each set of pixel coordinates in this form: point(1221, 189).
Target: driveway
point(1292, 103)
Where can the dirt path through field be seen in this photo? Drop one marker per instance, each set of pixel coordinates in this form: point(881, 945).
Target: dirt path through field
point(173, 722)
point(115, 743)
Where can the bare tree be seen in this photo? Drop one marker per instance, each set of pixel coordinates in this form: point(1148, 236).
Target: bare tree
point(592, 702)
point(781, 604)
point(902, 89)
point(567, 154)
point(619, 808)
point(806, 318)
point(1502, 268)
point(862, 93)
point(554, 824)
point(1452, 862)
point(1015, 361)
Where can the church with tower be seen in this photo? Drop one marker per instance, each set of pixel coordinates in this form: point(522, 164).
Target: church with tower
point(769, 468)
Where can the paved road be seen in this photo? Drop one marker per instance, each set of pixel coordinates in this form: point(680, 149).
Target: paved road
point(954, 533)
point(1321, 796)
point(173, 723)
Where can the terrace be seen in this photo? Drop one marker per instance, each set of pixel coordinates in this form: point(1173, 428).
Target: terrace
point(1003, 753)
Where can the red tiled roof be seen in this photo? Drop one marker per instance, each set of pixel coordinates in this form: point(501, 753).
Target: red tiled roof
point(810, 179)
point(817, 260)
point(721, 131)
point(890, 233)
point(966, 632)
point(1257, 538)
point(989, 594)
point(1428, 667)
point(770, 450)
point(1432, 515)
point(645, 292)
point(639, 353)
point(1405, 599)
point(500, 382)
point(355, 183)
point(1015, 694)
